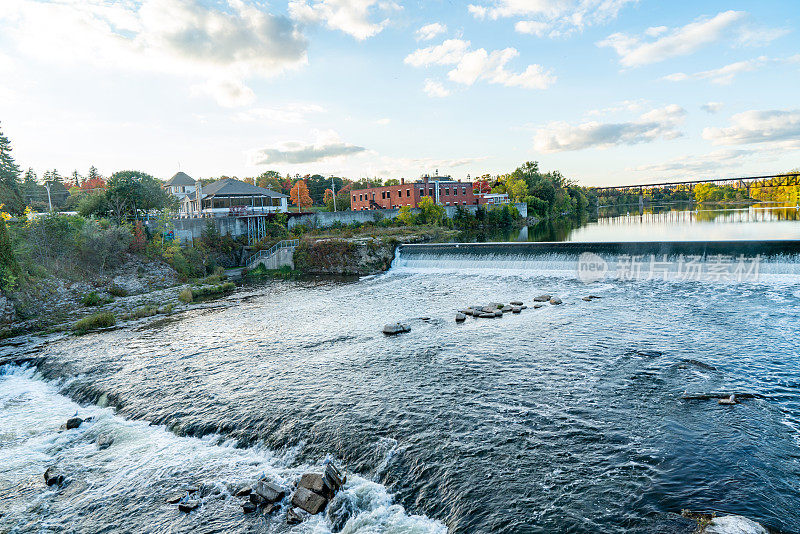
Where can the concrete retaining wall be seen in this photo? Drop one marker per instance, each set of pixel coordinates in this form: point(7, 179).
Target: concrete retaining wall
point(280, 258)
point(324, 219)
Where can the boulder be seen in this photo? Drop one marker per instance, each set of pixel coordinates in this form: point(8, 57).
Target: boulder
point(187, 505)
point(516, 303)
point(485, 315)
point(309, 501)
point(460, 317)
point(248, 507)
point(73, 422)
point(292, 517)
point(244, 491)
point(488, 309)
point(555, 300)
point(104, 441)
point(395, 328)
point(594, 297)
point(467, 311)
point(542, 298)
point(537, 306)
point(256, 499)
point(314, 482)
point(334, 478)
point(733, 524)
point(729, 401)
point(53, 477)
point(524, 307)
point(269, 491)
point(498, 313)
point(516, 309)
point(587, 299)
point(507, 309)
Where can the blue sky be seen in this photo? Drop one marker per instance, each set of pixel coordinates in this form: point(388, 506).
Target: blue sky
point(607, 91)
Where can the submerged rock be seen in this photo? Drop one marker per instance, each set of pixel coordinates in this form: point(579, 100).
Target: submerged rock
point(733, 524)
point(555, 300)
point(516, 303)
point(587, 299)
point(175, 498)
point(309, 501)
point(187, 505)
point(516, 309)
point(537, 306)
point(104, 441)
point(53, 476)
point(460, 317)
point(498, 313)
point(292, 517)
point(396, 328)
point(542, 298)
point(485, 315)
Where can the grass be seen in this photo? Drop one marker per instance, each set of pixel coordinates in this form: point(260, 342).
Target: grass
point(93, 322)
point(145, 311)
point(186, 296)
point(206, 291)
point(284, 272)
point(117, 291)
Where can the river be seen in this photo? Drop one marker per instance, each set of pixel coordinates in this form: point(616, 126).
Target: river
point(570, 418)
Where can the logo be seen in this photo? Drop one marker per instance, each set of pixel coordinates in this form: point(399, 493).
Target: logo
point(591, 268)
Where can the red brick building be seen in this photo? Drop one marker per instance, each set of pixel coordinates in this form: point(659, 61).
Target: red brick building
point(443, 190)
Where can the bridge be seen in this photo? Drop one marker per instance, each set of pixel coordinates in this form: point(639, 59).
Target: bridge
point(748, 182)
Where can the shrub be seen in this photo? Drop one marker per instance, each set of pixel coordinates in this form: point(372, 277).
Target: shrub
point(186, 296)
point(145, 311)
point(116, 291)
point(93, 299)
point(93, 322)
point(206, 291)
point(167, 310)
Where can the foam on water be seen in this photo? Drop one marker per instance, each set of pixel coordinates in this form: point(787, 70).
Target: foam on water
point(126, 484)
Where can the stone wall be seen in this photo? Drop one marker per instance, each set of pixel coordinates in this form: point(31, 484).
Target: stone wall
point(324, 219)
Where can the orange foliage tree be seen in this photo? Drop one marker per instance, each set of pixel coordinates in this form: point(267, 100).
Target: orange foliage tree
point(299, 195)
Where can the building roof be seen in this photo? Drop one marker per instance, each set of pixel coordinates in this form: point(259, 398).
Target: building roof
point(228, 187)
point(180, 178)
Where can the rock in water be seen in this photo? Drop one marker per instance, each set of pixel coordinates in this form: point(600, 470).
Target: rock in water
point(460, 317)
point(175, 498)
point(187, 505)
point(334, 478)
point(516, 303)
point(244, 491)
point(498, 313)
point(104, 441)
point(555, 300)
point(53, 477)
point(542, 298)
point(587, 299)
point(309, 501)
point(269, 491)
point(292, 517)
point(248, 507)
point(537, 306)
point(73, 422)
point(516, 309)
point(734, 524)
point(485, 315)
point(313, 481)
point(506, 309)
point(730, 401)
point(396, 328)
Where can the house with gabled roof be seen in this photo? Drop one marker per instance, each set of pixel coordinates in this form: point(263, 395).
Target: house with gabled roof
point(230, 197)
point(180, 185)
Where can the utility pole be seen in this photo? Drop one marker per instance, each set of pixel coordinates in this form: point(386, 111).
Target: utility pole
point(333, 188)
point(49, 201)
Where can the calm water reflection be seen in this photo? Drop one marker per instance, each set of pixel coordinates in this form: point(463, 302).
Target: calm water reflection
point(669, 223)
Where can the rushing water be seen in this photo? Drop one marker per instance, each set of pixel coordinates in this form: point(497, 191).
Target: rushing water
point(566, 418)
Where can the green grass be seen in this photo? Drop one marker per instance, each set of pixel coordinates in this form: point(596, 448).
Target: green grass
point(93, 322)
point(117, 291)
point(93, 299)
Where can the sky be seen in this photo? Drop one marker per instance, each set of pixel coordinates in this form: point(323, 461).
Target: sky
point(609, 92)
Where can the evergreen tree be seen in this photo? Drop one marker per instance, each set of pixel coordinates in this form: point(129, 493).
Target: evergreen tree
point(10, 194)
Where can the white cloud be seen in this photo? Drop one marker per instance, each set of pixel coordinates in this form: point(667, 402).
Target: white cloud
point(291, 113)
point(429, 31)
point(712, 107)
point(625, 105)
point(757, 127)
point(635, 51)
point(435, 89)
point(237, 41)
point(656, 124)
point(474, 65)
point(383, 122)
point(702, 165)
point(551, 18)
point(327, 146)
point(449, 52)
point(353, 17)
point(725, 75)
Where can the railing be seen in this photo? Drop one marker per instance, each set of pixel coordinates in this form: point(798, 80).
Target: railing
point(286, 243)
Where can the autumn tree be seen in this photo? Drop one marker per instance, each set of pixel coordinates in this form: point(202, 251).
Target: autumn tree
point(299, 195)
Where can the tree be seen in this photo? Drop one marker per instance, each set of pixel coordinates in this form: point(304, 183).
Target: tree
point(269, 180)
point(430, 212)
point(93, 181)
point(517, 189)
point(482, 186)
point(132, 193)
point(392, 181)
point(405, 216)
point(299, 195)
point(9, 268)
point(10, 193)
